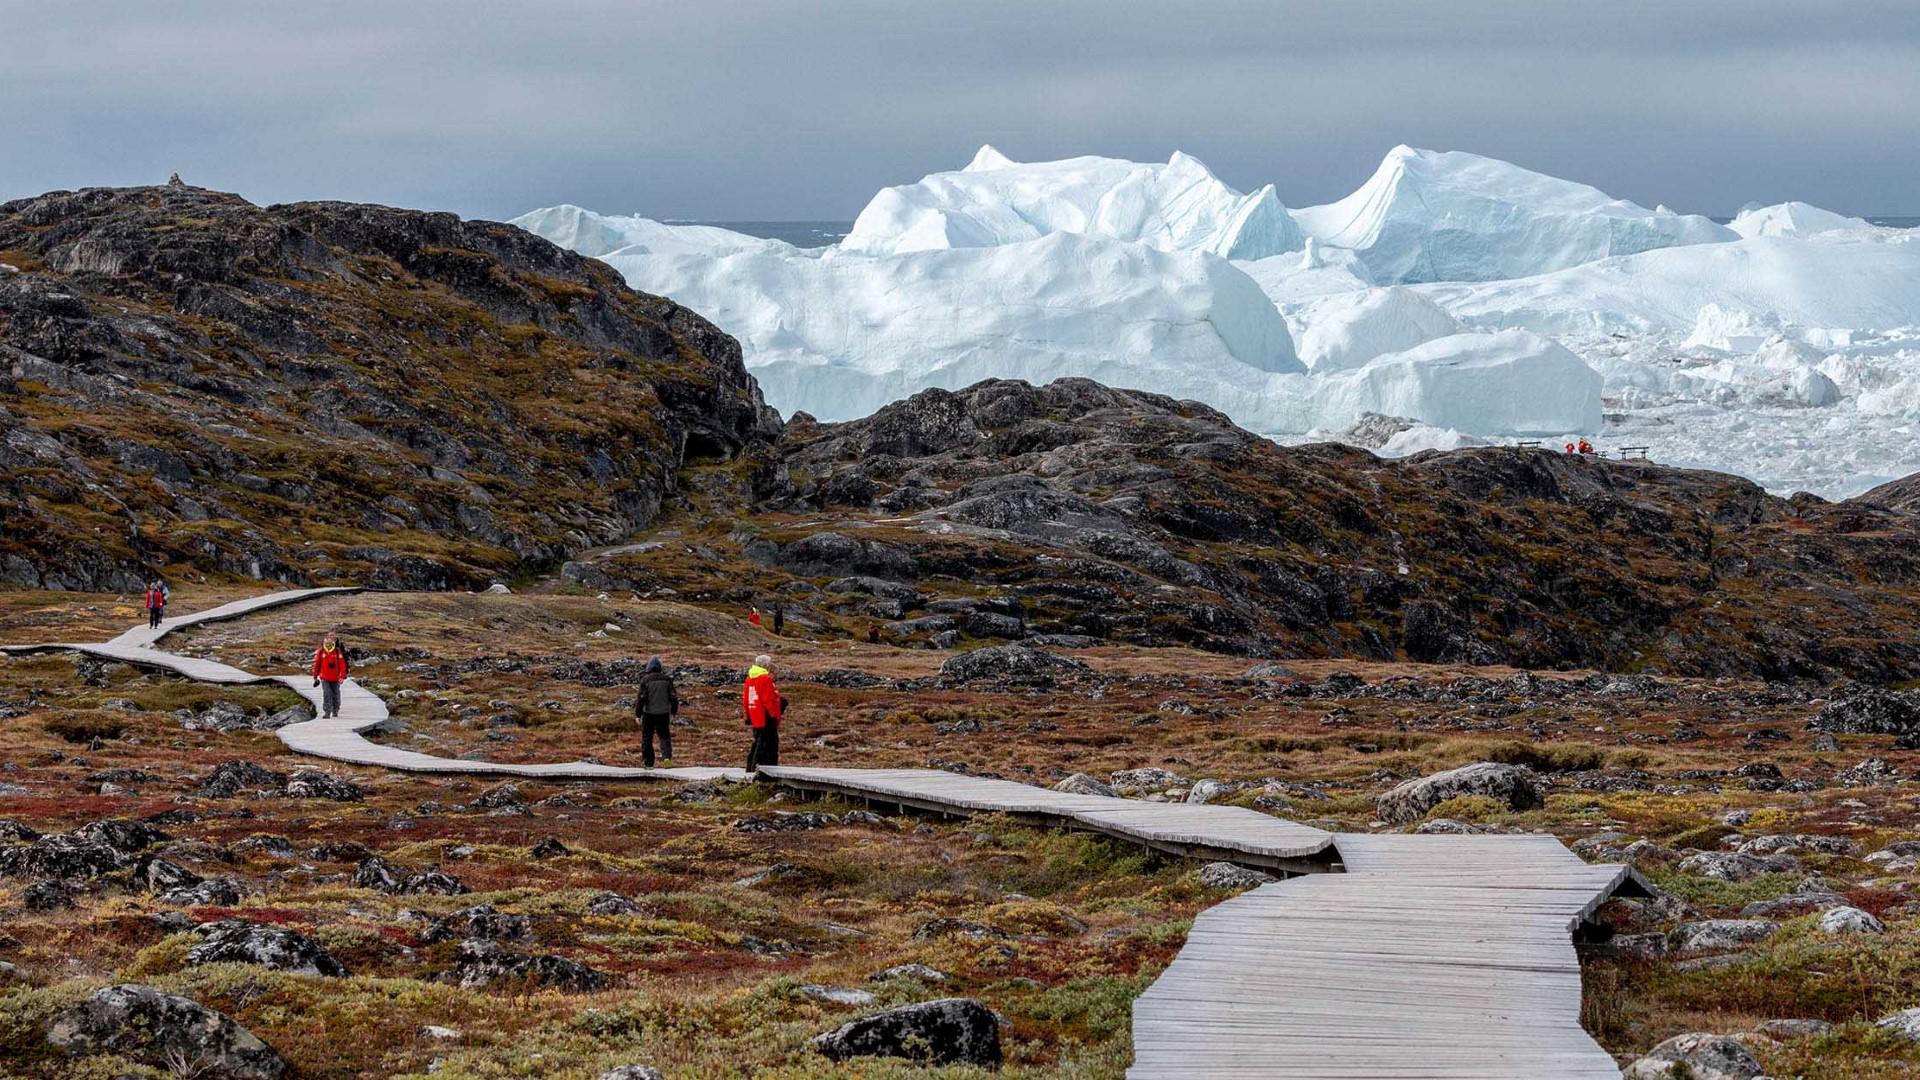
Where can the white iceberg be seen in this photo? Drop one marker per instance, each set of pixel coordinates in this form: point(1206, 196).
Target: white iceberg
point(1447, 216)
point(1794, 219)
point(1507, 383)
point(1858, 283)
point(1347, 331)
point(1179, 206)
point(842, 334)
point(596, 235)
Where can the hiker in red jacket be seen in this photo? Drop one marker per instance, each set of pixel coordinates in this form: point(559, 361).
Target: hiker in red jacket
point(156, 604)
point(330, 669)
point(765, 708)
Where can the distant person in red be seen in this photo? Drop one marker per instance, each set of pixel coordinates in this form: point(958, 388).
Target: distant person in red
point(765, 709)
point(330, 669)
point(753, 616)
point(1586, 447)
point(1569, 448)
point(156, 604)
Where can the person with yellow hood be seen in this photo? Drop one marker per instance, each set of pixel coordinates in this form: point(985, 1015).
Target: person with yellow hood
point(765, 708)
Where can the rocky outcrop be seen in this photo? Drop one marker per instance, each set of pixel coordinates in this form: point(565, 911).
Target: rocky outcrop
point(1509, 785)
point(160, 1029)
point(1011, 664)
point(950, 1031)
point(483, 963)
point(236, 941)
point(1225, 875)
point(199, 361)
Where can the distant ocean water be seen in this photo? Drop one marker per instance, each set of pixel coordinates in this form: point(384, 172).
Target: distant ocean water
point(813, 234)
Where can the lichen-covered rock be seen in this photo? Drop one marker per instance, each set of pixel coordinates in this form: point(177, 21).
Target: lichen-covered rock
point(910, 971)
point(483, 922)
point(1736, 866)
point(633, 1072)
point(1131, 781)
point(1082, 784)
point(236, 941)
point(1793, 1029)
point(610, 903)
point(483, 963)
point(159, 875)
point(1850, 920)
point(314, 784)
point(380, 875)
point(550, 848)
point(64, 856)
point(12, 832)
point(1697, 1056)
point(1714, 935)
point(1012, 664)
point(1904, 1024)
point(950, 1031)
point(934, 929)
point(1509, 785)
point(229, 778)
point(47, 894)
point(1225, 875)
point(785, 821)
point(1860, 709)
point(213, 892)
point(1206, 791)
point(160, 1029)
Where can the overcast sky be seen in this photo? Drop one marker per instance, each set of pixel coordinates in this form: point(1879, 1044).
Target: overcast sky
point(744, 109)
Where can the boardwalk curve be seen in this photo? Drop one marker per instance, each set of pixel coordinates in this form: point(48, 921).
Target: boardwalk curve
point(1386, 956)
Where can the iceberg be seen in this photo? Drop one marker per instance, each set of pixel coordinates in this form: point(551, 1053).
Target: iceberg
point(1447, 216)
point(1794, 219)
point(1855, 282)
point(1507, 383)
point(1347, 331)
point(1179, 206)
point(595, 235)
point(841, 334)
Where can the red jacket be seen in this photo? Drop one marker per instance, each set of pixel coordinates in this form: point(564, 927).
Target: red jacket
point(330, 666)
point(156, 599)
point(759, 698)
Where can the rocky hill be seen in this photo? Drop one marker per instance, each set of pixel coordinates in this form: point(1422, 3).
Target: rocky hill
point(1074, 509)
point(330, 392)
point(325, 391)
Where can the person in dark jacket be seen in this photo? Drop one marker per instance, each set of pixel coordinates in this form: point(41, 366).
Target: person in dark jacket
point(330, 669)
point(765, 710)
point(779, 618)
point(656, 704)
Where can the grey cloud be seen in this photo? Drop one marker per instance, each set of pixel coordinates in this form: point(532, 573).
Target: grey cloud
point(759, 108)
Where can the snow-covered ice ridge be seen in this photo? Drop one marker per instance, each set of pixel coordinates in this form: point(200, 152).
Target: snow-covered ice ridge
point(1452, 300)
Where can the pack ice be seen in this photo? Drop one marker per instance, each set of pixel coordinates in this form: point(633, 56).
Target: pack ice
point(1451, 299)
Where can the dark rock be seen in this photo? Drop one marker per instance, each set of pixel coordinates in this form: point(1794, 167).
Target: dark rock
point(608, 903)
point(1859, 709)
point(213, 892)
point(950, 1031)
point(1010, 664)
point(549, 848)
point(482, 922)
point(46, 894)
point(484, 964)
point(781, 821)
point(380, 875)
point(935, 929)
point(235, 941)
point(159, 875)
point(160, 1029)
point(314, 784)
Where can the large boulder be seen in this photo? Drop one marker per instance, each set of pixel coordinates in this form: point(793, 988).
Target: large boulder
point(483, 963)
point(1509, 785)
point(230, 778)
point(160, 1029)
point(1697, 1056)
point(1082, 784)
point(1869, 710)
point(1735, 865)
point(950, 1031)
point(1225, 875)
point(483, 922)
point(236, 941)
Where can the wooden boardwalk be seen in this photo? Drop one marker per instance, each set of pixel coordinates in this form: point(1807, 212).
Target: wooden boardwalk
point(340, 738)
point(1390, 956)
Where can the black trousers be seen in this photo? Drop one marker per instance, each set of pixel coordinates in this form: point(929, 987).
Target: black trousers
point(652, 724)
point(153, 618)
point(766, 746)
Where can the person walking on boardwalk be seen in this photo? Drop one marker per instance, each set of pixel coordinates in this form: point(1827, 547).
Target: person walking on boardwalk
point(765, 710)
point(156, 604)
point(656, 704)
point(330, 669)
